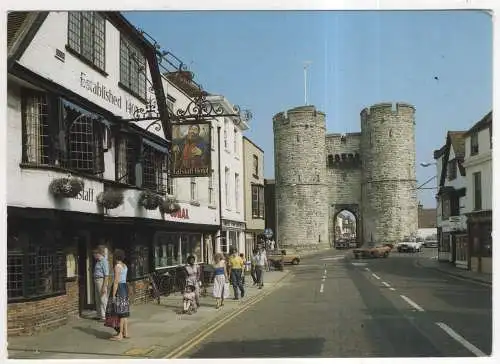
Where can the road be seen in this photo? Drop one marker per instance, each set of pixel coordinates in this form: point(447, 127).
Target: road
point(338, 307)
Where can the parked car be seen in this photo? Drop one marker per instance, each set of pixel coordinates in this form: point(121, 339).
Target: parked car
point(286, 256)
point(430, 244)
point(409, 247)
point(379, 251)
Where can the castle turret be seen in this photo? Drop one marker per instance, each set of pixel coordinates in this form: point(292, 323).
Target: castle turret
point(300, 173)
point(388, 187)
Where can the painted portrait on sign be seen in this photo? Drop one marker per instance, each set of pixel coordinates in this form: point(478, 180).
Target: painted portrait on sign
point(191, 152)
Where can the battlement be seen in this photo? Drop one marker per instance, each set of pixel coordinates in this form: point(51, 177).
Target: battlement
point(388, 108)
point(339, 135)
point(299, 115)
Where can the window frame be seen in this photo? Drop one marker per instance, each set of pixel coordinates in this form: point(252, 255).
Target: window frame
point(237, 191)
point(211, 188)
point(135, 142)
point(474, 143)
point(226, 186)
point(255, 166)
point(258, 201)
point(452, 169)
point(193, 190)
point(101, 68)
point(159, 184)
point(126, 81)
point(478, 190)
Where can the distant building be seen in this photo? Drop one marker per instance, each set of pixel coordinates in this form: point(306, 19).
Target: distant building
point(478, 202)
point(451, 224)
point(427, 224)
point(253, 186)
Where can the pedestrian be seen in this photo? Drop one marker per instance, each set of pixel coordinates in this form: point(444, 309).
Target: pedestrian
point(101, 281)
point(253, 271)
point(244, 269)
point(189, 300)
point(260, 266)
point(193, 277)
point(118, 308)
point(235, 270)
point(221, 280)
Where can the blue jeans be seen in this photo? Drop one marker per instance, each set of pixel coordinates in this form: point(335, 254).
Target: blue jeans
point(236, 280)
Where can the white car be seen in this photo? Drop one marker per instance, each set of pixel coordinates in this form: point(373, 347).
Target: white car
point(409, 245)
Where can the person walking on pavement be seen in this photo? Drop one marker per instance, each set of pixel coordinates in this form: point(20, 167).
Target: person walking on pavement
point(260, 266)
point(253, 267)
point(235, 271)
point(193, 278)
point(221, 280)
point(101, 281)
point(118, 308)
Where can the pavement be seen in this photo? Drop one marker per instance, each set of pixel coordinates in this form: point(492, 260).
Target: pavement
point(329, 305)
point(335, 306)
point(156, 330)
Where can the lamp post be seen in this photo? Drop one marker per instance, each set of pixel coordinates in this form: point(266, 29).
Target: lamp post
point(425, 165)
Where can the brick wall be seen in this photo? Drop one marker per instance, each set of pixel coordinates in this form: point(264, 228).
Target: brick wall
point(28, 318)
point(139, 292)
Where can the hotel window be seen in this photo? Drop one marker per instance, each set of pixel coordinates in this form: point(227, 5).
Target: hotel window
point(477, 191)
point(193, 189)
point(211, 200)
point(237, 191)
point(35, 128)
point(86, 36)
point(84, 149)
point(126, 158)
point(36, 264)
point(132, 68)
point(255, 166)
point(154, 169)
point(226, 188)
point(258, 201)
point(170, 186)
point(474, 143)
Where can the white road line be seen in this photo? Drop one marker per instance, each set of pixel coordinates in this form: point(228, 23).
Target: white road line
point(325, 272)
point(460, 339)
point(368, 269)
point(386, 284)
point(321, 288)
point(392, 289)
point(376, 276)
point(411, 303)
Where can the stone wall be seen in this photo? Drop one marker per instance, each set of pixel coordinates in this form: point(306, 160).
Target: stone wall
point(301, 184)
point(389, 200)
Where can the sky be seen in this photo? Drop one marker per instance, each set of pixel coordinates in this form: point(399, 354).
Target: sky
point(256, 60)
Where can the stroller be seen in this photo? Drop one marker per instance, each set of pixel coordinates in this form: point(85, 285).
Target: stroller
point(189, 304)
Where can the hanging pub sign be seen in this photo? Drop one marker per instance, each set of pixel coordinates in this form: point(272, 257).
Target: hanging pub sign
point(191, 149)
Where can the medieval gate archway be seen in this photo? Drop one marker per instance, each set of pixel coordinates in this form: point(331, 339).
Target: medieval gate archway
point(354, 209)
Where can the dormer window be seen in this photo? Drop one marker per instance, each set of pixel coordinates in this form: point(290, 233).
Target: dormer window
point(452, 170)
point(132, 68)
point(86, 37)
point(474, 144)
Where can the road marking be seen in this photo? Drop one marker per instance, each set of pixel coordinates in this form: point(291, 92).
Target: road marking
point(460, 339)
point(411, 303)
point(356, 264)
point(386, 284)
point(325, 272)
point(376, 276)
point(392, 289)
point(182, 349)
point(321, 288)
point(367, 269)
point(333, 258)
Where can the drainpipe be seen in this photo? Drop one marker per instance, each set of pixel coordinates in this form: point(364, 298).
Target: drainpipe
point(220, 184)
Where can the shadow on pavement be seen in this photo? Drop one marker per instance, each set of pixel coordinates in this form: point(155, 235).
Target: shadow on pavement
point(275, 348)
point(100, 334)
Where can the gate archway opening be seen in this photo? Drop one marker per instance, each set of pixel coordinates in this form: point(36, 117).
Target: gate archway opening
point(345, 230)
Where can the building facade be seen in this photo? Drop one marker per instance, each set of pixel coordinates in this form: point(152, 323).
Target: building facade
point(229, 135)
point(370, 174)
point(255, 205)
point(80, 176)
point(478, 201)
point(427, 223)
point(270, 205)
point(451, 222)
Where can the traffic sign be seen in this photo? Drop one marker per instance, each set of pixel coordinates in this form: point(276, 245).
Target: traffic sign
point(268, 233)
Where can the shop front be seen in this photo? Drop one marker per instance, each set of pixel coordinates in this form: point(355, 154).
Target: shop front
point(234, 234)
point(480, 241)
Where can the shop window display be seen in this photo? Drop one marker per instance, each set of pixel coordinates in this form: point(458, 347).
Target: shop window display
point(166, 251)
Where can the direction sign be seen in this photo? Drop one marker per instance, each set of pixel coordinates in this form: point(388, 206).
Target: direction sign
point(268, 233)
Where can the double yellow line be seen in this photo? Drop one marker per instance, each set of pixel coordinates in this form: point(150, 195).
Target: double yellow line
point(186, 347)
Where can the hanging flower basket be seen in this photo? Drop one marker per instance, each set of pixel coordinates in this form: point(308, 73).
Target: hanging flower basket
point(110, 198)
point(169, 206)
point(149, 200)
point(68, 187)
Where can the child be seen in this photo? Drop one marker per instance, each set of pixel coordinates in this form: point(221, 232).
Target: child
point(189, 298)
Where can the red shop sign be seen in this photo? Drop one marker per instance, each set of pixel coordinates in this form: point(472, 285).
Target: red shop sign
point(181, 214)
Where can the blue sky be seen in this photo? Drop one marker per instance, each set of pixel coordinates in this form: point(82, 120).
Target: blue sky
point(256, 60)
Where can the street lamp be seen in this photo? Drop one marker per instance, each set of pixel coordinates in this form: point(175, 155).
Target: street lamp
point(425, 165)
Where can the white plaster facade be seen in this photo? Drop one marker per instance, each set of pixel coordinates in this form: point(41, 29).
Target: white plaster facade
point(231, 169)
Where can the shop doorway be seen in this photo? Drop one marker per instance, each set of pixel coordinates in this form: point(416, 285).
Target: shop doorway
point(85, 269)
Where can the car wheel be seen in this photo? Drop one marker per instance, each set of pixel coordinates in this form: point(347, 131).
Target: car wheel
point(295, 261)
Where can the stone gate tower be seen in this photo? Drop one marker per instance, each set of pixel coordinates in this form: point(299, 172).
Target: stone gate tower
point(300, 174)
point(388, 186)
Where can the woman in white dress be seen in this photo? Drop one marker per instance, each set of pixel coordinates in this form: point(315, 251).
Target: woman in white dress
point(221, 280)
